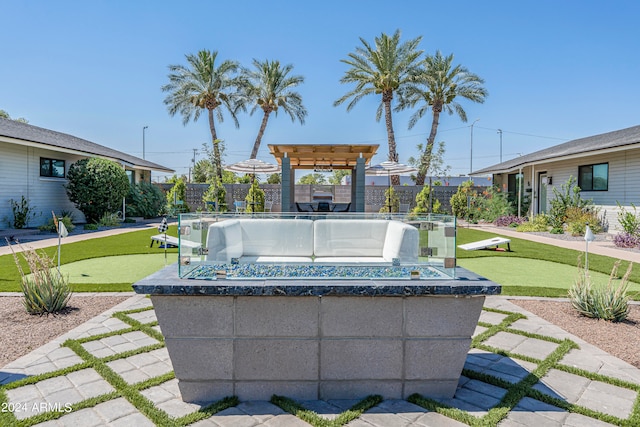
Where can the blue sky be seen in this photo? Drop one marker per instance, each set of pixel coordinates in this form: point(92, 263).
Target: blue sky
point(555, 70)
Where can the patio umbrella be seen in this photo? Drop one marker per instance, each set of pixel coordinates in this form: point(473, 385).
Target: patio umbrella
point(253, 166)
point(390, 168)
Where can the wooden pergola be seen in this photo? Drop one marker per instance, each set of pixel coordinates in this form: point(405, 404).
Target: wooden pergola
point(335, 156)
point(323, 157)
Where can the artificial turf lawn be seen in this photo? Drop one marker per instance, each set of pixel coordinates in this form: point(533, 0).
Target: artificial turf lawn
point(135, 242)
point(116, 269)
point(521, 248)
point(533, 272)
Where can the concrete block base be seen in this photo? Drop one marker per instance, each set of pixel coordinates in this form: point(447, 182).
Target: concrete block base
point(313, 347)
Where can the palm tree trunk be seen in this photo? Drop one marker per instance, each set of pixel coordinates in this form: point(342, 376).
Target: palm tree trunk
point(425, 159)
point(217, 161)
point(387, 96)
point(263, 126)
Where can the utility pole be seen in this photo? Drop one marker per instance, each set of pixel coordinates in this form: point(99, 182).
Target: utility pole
point(143, 129)
point(500, 132)
point(471, 149)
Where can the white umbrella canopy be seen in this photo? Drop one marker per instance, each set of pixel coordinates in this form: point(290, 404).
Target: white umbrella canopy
point(390, 168)
point(253, 166)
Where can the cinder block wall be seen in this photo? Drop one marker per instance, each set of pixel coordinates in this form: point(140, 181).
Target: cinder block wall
point(341, 347)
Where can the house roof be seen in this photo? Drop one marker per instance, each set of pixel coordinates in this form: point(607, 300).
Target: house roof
point(69, 143)
point(610, 141)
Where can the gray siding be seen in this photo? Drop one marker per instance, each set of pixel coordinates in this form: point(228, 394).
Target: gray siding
point(20, 176)
point(624, 181)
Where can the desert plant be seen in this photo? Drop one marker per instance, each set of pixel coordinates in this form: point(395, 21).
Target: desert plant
point(493, 204)
point(608, 302)
point(22, 212)
point(539, 222)
point(45, 290)
point(630, 222)
point(578, 218)
point(109, 220)
point(568, 196)
point(509, 221)
point(145, 200)
point(391, 201)
point(255, 198)
point(50, 226)
point(626, 240)
point(97, 186)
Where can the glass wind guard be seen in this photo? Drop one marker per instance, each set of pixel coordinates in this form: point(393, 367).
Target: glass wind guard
point(355, 246)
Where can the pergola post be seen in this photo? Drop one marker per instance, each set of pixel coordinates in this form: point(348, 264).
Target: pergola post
point(286, 190)
point(357, 185)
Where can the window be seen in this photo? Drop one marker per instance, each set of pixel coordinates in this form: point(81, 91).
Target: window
point(594, 177)
point(51, 168)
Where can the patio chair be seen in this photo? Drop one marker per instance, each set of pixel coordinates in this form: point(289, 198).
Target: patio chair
point(268, 204)
point(342, 207)
point(240, 206)
point(404, 208)
point(306, 208)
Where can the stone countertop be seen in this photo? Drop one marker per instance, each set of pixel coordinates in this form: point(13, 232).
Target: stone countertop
point(167, 282)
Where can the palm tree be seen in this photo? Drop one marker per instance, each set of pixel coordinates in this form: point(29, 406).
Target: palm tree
point(381, 69)
point(439, 85)
point(268, 86)
point(202, 85)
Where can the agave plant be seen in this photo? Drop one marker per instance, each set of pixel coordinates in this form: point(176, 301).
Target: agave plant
point(45, 290)
point(608, 302)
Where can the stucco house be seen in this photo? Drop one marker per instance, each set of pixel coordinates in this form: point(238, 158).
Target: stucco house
point(34, 164)
point(606, 166)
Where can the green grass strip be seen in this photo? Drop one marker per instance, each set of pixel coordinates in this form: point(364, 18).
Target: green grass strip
point(293, 407)
point(209, 410)
point(54, 415)
point(129, 392)
point(443, 409)
point(146, 328)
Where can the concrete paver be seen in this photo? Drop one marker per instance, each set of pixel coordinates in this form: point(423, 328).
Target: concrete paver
point(473, 395)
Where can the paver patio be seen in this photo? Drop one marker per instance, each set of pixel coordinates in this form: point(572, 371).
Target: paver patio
point(521, 370)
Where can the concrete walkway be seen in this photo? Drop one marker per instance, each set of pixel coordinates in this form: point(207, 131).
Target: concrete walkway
point(115, 371)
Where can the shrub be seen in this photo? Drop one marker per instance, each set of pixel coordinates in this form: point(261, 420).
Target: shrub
point(460, 200)
point(22, 213)
point(568, 196)
point(96, 186)
point(109, 220)
point(626, 240)
point(391, 201)
point(50, 226)
point(630, 222)
point(215, 193)
point(424, 205)
point(45, 290)
point(178, 193)
point(492, 204)
point(255, 198)
point(91, 227)
point(608, 302)
point(539, 222)
point(578, 218)
point(145, 200)
point(509, 220)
